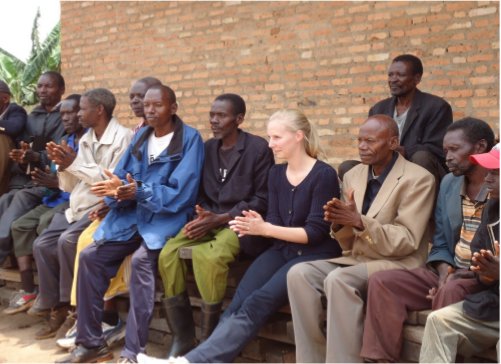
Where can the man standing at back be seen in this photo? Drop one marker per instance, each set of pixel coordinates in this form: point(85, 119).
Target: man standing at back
point(234, 179)
point(422, 118)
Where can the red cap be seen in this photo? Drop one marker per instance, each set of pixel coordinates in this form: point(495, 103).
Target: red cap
point(487, 160)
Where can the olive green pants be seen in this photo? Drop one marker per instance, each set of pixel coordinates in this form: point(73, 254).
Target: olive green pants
point(26, 229)
point(211, 256)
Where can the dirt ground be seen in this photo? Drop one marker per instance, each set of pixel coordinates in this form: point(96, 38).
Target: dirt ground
point(17, 343)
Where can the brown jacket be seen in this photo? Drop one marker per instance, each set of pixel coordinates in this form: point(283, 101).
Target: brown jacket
point(397, 229)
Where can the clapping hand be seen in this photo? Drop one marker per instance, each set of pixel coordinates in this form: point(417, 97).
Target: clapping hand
point(61, 154)
point(251, 223)
point(24, 155)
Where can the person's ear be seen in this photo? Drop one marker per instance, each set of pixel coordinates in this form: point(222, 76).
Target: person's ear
point(481, 146)
point(100, 109)
point(394, 143)
point(417, 78)
point(299, 135)
point(173, 108)
point(240, 119)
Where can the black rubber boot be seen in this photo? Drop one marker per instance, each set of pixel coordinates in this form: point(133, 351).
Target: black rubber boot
point(210, 318)
point(180, 320)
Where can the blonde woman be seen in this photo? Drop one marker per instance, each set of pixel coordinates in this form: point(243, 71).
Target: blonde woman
point(297, 191)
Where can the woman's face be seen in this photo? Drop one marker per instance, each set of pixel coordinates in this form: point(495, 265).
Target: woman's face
point(283, 142)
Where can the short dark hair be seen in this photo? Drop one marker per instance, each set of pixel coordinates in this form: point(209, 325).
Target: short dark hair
point(102, 96)
point(415, 62)
point(236, 100)
point(474, 130)
point(74, 97)
point(171, 95)
point(55, 76)
point(150, 81)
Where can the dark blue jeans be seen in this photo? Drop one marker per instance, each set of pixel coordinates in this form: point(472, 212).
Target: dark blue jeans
point(261, 292)
point(97, 265)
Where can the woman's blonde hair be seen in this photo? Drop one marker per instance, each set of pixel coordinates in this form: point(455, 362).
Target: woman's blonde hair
point(295, 120)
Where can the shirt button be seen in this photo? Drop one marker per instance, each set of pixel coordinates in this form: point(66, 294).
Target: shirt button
point(300, 252)
point(290, 212)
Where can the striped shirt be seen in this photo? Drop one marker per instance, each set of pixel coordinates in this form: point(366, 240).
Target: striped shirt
point(472, 214)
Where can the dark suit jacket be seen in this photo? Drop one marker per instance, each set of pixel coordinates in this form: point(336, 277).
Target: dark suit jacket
point(245, 186)
point(13, 121)
point(426, 124)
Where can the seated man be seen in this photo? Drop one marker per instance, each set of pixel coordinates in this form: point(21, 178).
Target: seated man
point(422, 118)
point(391, 294)
point(472, 326)
point(382, 224)
point(43, 125)
point(54, 250)
point(151, 195)
point(12, 123)
point(26, 229)
point(113, 327)
point(235, 176)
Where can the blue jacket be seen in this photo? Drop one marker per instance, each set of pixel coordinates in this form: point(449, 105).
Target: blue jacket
point(167, 189)
point(448, 220)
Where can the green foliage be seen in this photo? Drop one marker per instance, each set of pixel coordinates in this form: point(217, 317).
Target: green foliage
point(22, 76)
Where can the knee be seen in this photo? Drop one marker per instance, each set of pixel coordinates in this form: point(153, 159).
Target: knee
point(86, 257)
point(296, 273)
point(17, 227)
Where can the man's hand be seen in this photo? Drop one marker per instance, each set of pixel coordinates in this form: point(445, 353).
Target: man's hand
point(99, 212)
point(24, 155)
point(107, 187)
point(338, 212)
point(63, 155)
point(486, 264)
point(204, 222)
point(445, 273)
point(44, 178)
point(128, 191)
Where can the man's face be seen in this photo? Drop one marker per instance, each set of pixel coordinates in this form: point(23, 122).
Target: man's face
point(401, 79)
point(375, 144)
point(88, 115)
point(48, 91)
point(158, 109)
point(136, 96)
point(457, 150)
point(492, 182)
point(69, 116)
point(223, 121)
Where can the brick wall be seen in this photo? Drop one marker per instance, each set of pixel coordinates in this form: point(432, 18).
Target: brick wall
point(328, 58)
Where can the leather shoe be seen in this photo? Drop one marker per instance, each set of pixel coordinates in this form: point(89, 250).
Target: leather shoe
point(81, 354)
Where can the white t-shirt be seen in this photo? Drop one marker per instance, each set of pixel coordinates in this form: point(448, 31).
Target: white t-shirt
point(157, 145)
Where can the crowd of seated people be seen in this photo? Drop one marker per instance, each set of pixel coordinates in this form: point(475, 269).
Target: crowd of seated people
point(103, 210)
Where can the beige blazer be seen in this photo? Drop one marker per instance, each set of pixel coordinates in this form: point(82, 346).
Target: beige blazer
point(397, 225)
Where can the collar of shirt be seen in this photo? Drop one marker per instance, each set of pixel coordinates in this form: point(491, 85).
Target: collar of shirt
point(380, 179)
point(482, 195)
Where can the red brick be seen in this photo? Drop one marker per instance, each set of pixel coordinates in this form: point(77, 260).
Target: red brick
point(279, 54)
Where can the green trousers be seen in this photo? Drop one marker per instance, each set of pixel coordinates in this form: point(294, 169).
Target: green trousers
point(26, 228)
point(211, 256)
